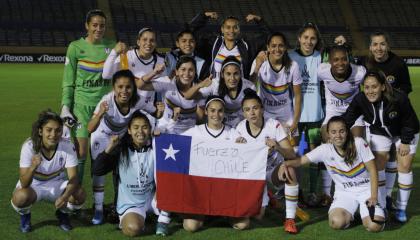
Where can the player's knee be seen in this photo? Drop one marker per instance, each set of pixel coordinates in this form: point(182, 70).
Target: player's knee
point(23, 197)
point(132, 229)
point(404, 166)
point(242, 224)
point(337, 222)
point(192, 225)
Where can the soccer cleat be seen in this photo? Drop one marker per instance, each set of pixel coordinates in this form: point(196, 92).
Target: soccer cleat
point(98, 217)
point(400, 216)
point(63, 220)
point(290, 226)
point(162, 229)
point(25, 223)
point(390, 206)
point(325, 200)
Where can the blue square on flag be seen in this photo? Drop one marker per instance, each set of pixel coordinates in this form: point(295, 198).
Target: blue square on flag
point(173, 153)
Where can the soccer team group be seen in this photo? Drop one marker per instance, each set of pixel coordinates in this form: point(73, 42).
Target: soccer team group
point(115, 99)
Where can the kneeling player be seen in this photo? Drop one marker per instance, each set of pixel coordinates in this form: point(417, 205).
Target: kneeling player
point(349, 160)
point(43, 158)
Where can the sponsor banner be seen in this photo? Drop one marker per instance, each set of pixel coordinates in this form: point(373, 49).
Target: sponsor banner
point(31, 58)
point(412, 61)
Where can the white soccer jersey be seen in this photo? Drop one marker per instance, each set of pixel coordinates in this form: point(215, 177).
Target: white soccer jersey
point(222, 54)
point(50, 169)
point(339, 95)
point(138, 66)
point(272, 129)
point(233, 106)
point(354, 178)
point(113, 121)
point(173, 98)
point(275, 89)
point(203, 131)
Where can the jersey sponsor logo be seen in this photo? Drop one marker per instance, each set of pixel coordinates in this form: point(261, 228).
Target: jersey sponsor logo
point(273, 103)
point(392, 115)
point(96, 83)
point(275, 90)
point(355, 184)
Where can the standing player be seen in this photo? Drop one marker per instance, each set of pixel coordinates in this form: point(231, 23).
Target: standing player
point(230, 87)
point(83, 85)
point(350, 163)
point(308, 57)
point(392, 120)
point(396, 72)
point(110, 118)
point(257, 128)
point(141, 60)
point(277, 75)
point(185, 45)
point(173, 91)
point(43, 160)
point(212, 130)
point(133, 159)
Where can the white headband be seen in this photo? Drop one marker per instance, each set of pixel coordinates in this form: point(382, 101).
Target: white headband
point(215, 99)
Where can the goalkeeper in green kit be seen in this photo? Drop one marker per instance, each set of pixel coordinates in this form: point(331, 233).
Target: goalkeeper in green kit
point(83, 85)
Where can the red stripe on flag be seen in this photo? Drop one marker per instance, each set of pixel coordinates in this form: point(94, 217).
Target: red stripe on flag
point(209, 196)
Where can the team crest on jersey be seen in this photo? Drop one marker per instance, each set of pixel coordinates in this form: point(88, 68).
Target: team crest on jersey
point(366, 145)
point(60, 160)
point(392, 115)
point(96, 145)
point(390, 79)
point(133, 65)
point(107, 50)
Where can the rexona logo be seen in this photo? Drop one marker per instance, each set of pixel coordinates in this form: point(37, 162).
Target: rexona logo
point(51, 59)
point(16, 58)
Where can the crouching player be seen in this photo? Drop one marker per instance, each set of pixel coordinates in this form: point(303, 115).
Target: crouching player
point(43, 159)
point(133, 159)
point(256, 128)
point(349, 160)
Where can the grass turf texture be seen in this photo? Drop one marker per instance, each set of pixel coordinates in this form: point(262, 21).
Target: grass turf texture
point(26, 89)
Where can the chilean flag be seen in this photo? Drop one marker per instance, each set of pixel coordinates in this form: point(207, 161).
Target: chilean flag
point(217, 177)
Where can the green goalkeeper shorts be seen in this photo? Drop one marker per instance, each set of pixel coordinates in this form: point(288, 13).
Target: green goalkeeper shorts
point(312, 131)
point(83, 113)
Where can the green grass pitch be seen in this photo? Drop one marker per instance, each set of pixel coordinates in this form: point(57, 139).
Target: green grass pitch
point(28, 88)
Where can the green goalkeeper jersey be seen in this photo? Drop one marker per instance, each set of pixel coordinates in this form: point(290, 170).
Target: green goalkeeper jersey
point(82, 80)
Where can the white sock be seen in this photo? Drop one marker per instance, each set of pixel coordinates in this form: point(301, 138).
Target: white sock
point(381, 188)
point(405, 184)
point(291, 194)
point(164, 217)
point(98, 191)
point(391, 173)
point(326, 182)
point(21, 210)
point(74, 207)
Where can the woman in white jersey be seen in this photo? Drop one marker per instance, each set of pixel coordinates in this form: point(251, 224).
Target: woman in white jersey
point(279, 82)
point(230, 87)
point(142, 60)
point(308, 56)
point(349, 160)
point(174, 91)
point(110, 118)
point(133, 159)
point(213, 129)
point(45, 159)
point(256, 127)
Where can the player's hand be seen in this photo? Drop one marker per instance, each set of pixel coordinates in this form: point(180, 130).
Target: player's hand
point(206, 82)
point(159, 68)
point(211, 15)
point(240, 140)
point(176, 113)
point(172, 74)
point(113, 142)
point(60, 202)
point(160, 108)
point(293, 128)
point(371, 201)
point(103, 108)
point(282, 173)
point(403, 149)
point(261, 57)
point(252, 17)
point(66, 113)
point(271, 143)
point(36, 161)
point(120, 47)
point(340, 40)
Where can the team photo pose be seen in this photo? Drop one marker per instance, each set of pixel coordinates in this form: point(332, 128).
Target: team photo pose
point(110, 118)
point(308, 56)
point(132, 157)
point(213, 129)
point(351, 164)
point(230, 87)
point(392, 119)
point(257, 128)
point(83, 85)
point(45, 159)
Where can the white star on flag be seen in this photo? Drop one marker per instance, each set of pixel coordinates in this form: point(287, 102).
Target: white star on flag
point(170, 152)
